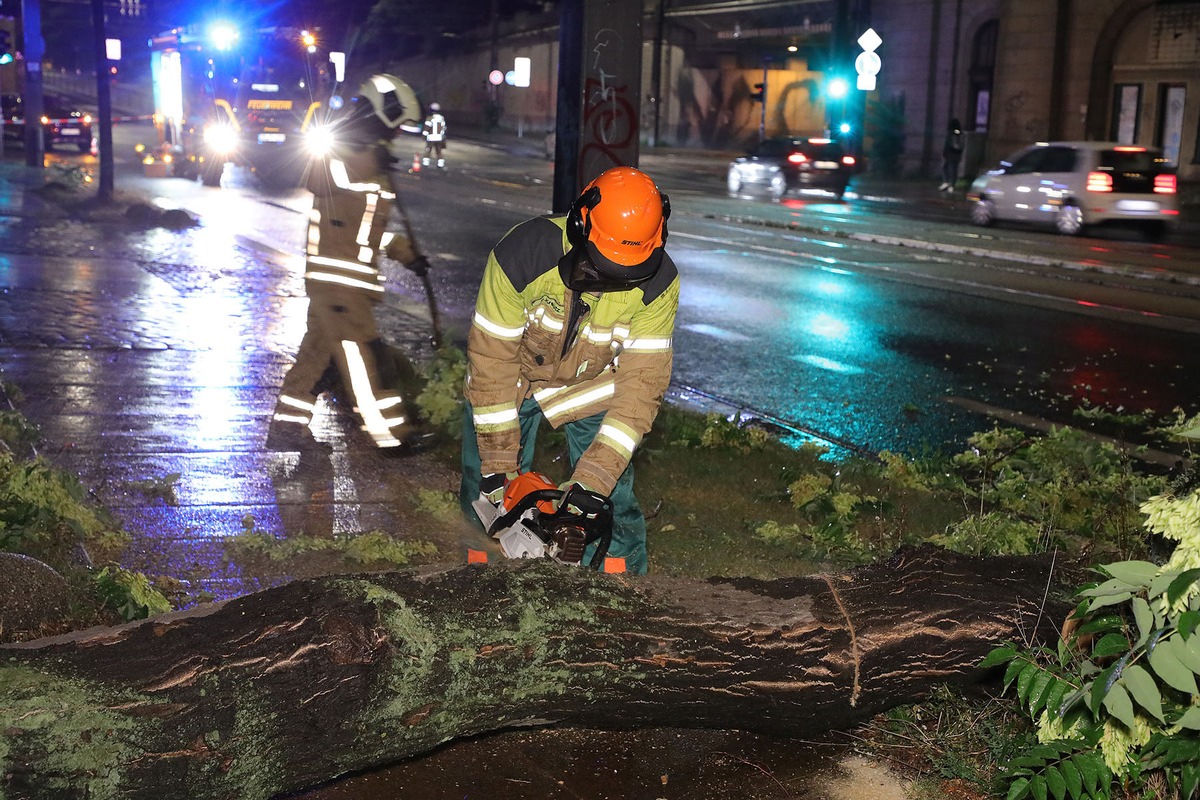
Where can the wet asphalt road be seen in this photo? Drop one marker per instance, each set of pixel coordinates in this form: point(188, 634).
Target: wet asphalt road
point(150, 354)
point(146, 354)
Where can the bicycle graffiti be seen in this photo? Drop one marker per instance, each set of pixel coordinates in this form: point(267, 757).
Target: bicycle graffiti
point(609, 122)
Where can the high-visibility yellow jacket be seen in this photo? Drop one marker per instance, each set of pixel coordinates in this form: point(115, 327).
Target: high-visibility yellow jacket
point(618, 362)
point(352, 221)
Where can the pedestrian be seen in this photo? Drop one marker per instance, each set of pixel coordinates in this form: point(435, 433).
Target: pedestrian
point(573, 325)
point(353, 201)
point(952, 148)
point(434, 131)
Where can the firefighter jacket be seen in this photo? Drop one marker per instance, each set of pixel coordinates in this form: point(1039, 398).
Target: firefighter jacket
point(434, 129)
point(616, 361)
point(353, 202)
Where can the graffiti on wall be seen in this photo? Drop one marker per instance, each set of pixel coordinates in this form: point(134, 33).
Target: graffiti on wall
point(609, 125)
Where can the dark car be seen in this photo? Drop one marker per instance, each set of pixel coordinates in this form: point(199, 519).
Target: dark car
point(62, 123)
point(785, 164)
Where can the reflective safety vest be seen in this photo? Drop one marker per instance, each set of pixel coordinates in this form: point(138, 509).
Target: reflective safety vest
point(348, 226)
point(435, 128)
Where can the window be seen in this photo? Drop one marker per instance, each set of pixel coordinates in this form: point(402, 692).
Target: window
point(1170, 119)
point(1126, 113)
point(981, 71)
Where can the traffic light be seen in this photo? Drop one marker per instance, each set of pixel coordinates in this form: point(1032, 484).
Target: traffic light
point(5, 47)
point(760, 95)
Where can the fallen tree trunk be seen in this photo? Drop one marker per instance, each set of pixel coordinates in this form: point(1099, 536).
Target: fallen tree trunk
point(289, 687)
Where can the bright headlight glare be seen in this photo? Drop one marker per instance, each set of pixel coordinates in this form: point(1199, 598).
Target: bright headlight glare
point(221, 139)
point(319, 140)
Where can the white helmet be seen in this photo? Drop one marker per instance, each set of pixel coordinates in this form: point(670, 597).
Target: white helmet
point(435, 107)
point(393, 101)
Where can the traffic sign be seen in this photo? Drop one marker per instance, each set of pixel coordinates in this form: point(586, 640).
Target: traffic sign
point(868, 63)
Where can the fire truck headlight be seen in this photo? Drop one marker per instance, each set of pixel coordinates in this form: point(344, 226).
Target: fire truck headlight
point(221, 139)
point(319, 140)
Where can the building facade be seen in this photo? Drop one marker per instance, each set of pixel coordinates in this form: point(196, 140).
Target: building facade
point(1013, 71)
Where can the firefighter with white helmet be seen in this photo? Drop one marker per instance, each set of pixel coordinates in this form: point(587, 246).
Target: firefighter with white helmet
point(349, 226)
point(434, 131)
point(573, 324)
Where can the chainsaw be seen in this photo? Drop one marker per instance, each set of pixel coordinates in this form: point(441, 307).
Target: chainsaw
point(536, 519)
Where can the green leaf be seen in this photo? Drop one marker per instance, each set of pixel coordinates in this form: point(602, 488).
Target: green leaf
point(1109, 645)
point(1025, 681)
point(1187, 623)
point(1160, 584)
point(1040, 699)
point(1001, 655)
point(1186, 580)
point(1119, 705)
point(1099, 689)
point(1103, 624)
point(1054, 697)
point(1137, 573)
point(1144, 618)
point(1055, 783)
point(1090, 766)
point(1168, 667)
point(1109, 600)
point(1014, 669)
point(1037, 692)
point(1037, 787)
point(1074, 779)
point(1188, 653)
point(1190, 780)
point(1190, 719)
point(1111, 586)
point(1018, 789)
point(1144, 690)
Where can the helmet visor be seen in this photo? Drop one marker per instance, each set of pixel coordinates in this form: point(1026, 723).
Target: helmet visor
point(585, 269)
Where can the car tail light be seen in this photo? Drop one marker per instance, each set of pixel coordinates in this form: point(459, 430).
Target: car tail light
point(848, 161)
point(1164, 183)
point(1099, 182)
point(1126, 148)
point(797, 158)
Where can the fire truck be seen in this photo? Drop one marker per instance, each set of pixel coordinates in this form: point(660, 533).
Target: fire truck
point(243, 97)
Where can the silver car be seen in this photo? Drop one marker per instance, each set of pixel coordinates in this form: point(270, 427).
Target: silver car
point(1075, 185)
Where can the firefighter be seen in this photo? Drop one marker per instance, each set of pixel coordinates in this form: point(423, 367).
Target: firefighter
point(573, 325)
point(353, 201)
point(434, 131)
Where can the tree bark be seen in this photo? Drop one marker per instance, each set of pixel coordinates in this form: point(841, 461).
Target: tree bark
point(286, 688)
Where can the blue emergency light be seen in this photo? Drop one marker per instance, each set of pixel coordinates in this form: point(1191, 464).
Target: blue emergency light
point(222, 35)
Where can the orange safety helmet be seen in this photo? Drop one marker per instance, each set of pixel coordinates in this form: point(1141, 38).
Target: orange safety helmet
point(620, 222)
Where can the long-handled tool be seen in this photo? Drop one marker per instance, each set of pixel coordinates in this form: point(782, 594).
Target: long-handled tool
point(434, 318)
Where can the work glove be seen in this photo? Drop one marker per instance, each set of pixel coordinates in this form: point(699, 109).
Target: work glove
point(565, 488)
point(492, 486)
point(419, 266)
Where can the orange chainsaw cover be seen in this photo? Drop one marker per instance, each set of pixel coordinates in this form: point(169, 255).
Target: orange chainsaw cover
point(525, 483)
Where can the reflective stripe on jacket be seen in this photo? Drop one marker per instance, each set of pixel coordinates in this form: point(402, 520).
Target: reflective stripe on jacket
point(619, 363)
point(352, 207)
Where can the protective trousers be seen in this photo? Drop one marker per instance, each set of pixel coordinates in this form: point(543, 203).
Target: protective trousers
point(629, 524)
point(342, 330)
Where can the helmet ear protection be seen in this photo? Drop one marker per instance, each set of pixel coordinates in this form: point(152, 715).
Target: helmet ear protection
point(579, 223)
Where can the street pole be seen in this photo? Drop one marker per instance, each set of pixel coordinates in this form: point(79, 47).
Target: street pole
point(103, 102)
point(35, 49)
point(762, 112)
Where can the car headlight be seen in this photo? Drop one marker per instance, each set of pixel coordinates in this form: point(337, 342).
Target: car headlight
point(319, 140)
point(221, 139)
